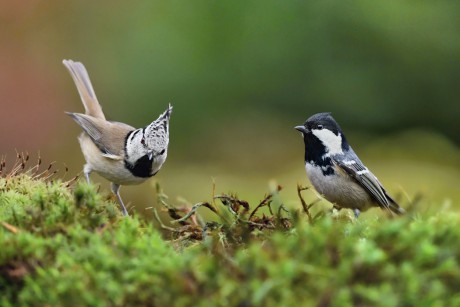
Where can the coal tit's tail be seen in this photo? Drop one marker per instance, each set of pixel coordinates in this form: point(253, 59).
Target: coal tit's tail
point(394, 207)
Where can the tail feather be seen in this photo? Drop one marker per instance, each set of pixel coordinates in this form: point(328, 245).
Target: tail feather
point(394, 207)
point(85, 89)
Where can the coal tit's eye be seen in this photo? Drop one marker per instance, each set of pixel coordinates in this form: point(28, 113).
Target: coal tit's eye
point(162, 152)
point(320, 127)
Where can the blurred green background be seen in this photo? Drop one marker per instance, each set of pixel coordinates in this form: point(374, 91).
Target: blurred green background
point(240, 75)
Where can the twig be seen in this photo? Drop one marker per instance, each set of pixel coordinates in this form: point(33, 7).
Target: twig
point(229, 201)
point(264, 202)
point(304, 204)
point(225, 199)
point(193, 210)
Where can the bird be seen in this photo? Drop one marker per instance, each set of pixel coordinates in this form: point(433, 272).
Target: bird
point(117, 151)
point(336, 172)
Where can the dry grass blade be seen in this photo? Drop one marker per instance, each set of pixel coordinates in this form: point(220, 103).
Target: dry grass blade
point(10, 227)
point(70, 182)
point(414, 203)
point(162, 225)
point(2, 164)
point(268, 223)
point(20, 167)
point(46, 172)
point(172, 211)
point(34, 170)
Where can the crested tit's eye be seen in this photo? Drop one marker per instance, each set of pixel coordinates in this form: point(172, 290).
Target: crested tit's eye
point(320, 127)
point(162, 152)
point(143, 141)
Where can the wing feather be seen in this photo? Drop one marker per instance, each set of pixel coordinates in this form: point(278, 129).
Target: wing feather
point(109, 137)
point(366, 179)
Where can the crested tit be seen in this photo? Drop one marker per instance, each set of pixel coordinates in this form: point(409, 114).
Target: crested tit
point(118, 152)
point(335, 170)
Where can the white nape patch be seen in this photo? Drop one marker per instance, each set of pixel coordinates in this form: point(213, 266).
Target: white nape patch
point(332, 142)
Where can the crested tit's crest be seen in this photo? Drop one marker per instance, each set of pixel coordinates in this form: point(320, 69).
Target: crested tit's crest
point(151, 141)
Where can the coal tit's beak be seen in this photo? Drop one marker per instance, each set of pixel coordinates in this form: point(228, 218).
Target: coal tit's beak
point(301, 129)
point(150, 154)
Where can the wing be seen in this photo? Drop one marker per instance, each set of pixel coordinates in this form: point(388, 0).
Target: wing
point(109, 137)
point(366, 179)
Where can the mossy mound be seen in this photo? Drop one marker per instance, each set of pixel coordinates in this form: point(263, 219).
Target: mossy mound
point(62, 246)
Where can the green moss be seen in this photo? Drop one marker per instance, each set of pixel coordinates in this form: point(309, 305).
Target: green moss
point(62, 246)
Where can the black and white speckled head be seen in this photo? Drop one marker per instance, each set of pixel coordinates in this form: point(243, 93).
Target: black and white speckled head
point(323, 137)
point(147, 148)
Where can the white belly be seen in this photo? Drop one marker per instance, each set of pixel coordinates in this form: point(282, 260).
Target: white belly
point(111, 169)
point(339, 189)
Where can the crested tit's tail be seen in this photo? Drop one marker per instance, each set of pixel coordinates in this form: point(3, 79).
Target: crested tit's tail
point(85, 89)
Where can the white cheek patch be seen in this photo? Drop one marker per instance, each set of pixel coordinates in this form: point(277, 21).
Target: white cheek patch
point(330, 140)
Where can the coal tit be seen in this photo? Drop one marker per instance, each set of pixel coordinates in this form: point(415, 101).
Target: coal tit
point(335, 170)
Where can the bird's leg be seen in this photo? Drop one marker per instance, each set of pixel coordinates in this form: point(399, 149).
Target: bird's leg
point(87, 170)
point(356, 212)
point(116, 190)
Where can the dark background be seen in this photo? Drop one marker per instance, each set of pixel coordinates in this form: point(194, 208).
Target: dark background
point(240, 75)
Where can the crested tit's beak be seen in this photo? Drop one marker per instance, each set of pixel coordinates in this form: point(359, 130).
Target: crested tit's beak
point(150, 154)
point(301, 129)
